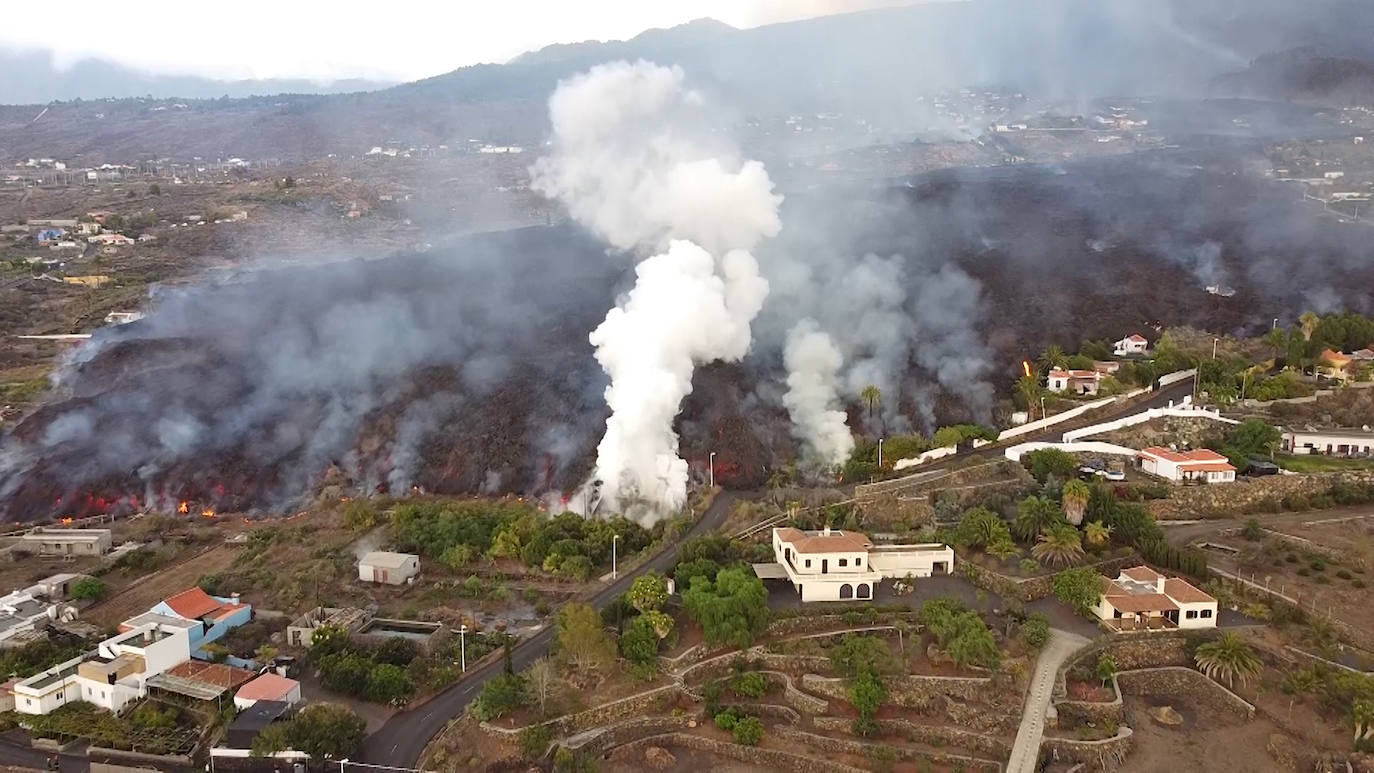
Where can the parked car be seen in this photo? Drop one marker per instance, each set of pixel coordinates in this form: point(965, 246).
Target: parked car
point(1262, 467)
point(1114, 475)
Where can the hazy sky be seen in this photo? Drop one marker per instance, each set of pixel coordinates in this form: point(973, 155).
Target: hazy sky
point(395, 40)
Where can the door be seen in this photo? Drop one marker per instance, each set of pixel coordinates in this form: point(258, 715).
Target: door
point(825, 566)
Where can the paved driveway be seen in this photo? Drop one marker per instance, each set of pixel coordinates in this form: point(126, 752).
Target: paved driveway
point(1026, 751)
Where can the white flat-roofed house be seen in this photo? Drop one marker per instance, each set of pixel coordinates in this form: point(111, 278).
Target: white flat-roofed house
point(1336, 442)
point(390, 568)
point(69, 542)
point(835, 565)
point(1141, 598)
point(1078, 382)
point(1131, 344)
point(110, 677)
point(1204, 465)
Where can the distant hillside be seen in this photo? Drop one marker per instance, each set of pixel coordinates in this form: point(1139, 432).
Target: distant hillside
point(1302, 74)
point(31, 78)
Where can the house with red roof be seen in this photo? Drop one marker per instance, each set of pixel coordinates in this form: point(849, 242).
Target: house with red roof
point(1132, 344)
point(216, 614)
point(1077, 382)
point(835, 565)
point(1203, 465)
point(268, 687)
point(1142, 599)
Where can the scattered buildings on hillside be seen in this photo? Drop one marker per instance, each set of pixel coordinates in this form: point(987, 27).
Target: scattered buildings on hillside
point(1141, 598)
point(23, 612)
point(1338, 442)
point(68, 542)
point(390, 568)
point(834, 565)
point(1077, 382)
point(1131, 345)
point(347, 619)
point(1202, 465)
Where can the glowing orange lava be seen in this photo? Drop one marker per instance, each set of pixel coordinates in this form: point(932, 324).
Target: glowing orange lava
point(208, 513)
point(183, 508)
point(1025, 365)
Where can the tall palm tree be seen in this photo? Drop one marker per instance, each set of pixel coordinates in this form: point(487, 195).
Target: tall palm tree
point(1229, 658)
point(1309, 322)
point(1035, 515)
point(1362, 713)
point(1029, 387)
point(1075, 498)
point(1277, 339)
point(1097, 533)
point(1060, 546)
point(873, 396)
point(1053, 357)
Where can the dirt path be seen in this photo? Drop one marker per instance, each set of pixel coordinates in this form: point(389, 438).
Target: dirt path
point(1026, 751)
point(143, 594)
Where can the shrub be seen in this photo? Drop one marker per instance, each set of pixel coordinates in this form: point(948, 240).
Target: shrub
point(1343, 574)
point(1357, 583)
point(534, 741)
point(1036, 630)
point(500, 696)
point(726, 720)
point(89, 589)
point(750, 684)
point(749, 731)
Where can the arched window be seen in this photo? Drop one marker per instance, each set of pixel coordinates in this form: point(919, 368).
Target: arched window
point(863, 590)
point(847, 591)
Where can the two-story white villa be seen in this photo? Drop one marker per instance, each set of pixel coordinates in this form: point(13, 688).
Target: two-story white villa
point(1141, 598)
point(113, 675)
point(835, 565)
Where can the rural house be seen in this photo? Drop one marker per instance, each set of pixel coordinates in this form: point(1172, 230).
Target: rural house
point(68, 542)
point(1131, 345)
point(268, 687)
point(1204, 465)
point(216, 615)
point(1077, 382)
point(1337, 442)
point(834, 565)
point(1141, 598)
point(390, 568)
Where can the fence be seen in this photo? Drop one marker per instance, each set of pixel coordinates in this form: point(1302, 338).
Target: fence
point(1050, 421)
point(1358, 635)
point(1183, 412)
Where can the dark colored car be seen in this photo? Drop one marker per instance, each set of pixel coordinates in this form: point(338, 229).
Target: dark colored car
point(1262, 467)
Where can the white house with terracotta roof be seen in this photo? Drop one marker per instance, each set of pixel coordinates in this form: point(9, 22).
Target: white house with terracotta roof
point(1134, 343)
point(268, 687)
point(1077, 382)
point(835, 565)
point(215, 614)
point(1141, 598)
point(1203, 464)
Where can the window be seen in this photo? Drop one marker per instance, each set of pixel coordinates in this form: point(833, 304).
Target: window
point(28, 701)
point(858, 562)
point(1192, 614)
point(102, 693)
point(90, 691)
point(59, 696)
point(1206, 613)
point(808, 563)
point(844, 562)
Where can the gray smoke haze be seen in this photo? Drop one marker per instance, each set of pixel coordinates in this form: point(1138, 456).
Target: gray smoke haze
point(818, 420)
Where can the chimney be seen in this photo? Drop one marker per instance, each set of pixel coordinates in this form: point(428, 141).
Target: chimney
point(1159, 583)
point(825, 532)
point(234, 599)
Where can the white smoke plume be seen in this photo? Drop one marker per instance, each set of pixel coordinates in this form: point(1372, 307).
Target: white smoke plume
point(813, 363)
point(628, 165)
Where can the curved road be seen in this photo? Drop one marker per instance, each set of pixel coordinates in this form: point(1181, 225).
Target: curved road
point(403, 738)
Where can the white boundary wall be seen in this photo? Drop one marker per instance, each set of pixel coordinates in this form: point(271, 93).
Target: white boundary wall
point(1089, 447)
point(934, 453)
point(1184, 411)
point(1176, 376)
point(1040, 424)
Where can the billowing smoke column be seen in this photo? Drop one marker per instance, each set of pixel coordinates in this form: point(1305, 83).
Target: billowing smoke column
point(813, 363)
point(626, 163)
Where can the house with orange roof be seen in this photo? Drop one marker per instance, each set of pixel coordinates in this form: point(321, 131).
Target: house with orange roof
point(1203, 465)
point(1142, 599)
point(268, 687)
point(1077, 382)
point(835, 565)
point(1334, 365)
point(215, 614)
point(1134, 343)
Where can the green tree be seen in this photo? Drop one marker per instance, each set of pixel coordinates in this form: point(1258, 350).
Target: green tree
point(1079, 588)
point(1035, 515)
point(1227, 657)
point(1060, 545)
point(327, 730)
point(731, 610)
point(274, 738)
point(389, 683)
point(1053, 357)
point(648, 592)
point(1362, 716)
point(457, 556)
point(1044, 462)
point(867, 694)
point(873, 397)
point(1252, 530)
point(89, 589)
point(1075, 499)
point(748, 731)
point(154, 190)
point(1308, 323)
point(750, 684)
point(582, 640)
point(1036, 630)
point(534, 742)
point(1106, 669)
point(1030, 389)
point(856, 653)
point(1097, 533)
point(639, 643)
point(500, 695)
point(980, 528)
point(1276, 339)
point(1254, 437)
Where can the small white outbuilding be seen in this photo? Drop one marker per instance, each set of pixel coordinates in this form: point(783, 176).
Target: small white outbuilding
point(386, 567)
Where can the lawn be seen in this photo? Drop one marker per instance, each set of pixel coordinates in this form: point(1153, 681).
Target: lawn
point(1320, 463)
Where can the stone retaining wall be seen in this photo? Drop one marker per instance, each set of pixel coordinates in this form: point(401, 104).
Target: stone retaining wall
point(907, 689)
point(779, 662)
point(839, 622)
point(845, 746)
point(1028, 589)
point(597, 716)
point(629, 730)
point(1174, 681)
point(750, 755)
point(803, 702)
point(931, 735)
point(1106, 754)
point(1075, 713)
point(1245, 494)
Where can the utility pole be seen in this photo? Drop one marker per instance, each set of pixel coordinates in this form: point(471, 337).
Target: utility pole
point(463, 647)
point(1214, 347)
point(711, 463)
point(880, 453)
point(614, 539)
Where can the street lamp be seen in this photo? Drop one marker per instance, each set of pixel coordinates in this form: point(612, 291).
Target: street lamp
point(880, 453)
point(1275, 325)
point(711, 463)
point(614, 539)
point(1214, 347)
point(1042, 407)
point(462, 645)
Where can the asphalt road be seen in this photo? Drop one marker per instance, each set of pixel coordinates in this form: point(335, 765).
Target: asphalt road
point(403, 738)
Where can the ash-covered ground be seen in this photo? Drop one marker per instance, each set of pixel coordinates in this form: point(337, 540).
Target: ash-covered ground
point(468, 368)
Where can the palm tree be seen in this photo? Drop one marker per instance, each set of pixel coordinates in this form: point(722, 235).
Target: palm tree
point(1097, 533)
point(1309, 322)
point(1054, 357)
point(1030, 388)
point(1035, 515)
point(1061, 545)
point(1362, 713)
point(873, 396)
point(1075, 498)
point(1002, 549)
point(1299, 684)
point(1277, 338)
point(1227, 657)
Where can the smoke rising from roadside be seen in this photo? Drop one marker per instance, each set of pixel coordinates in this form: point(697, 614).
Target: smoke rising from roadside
point(818, 422)
point(627, 163)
